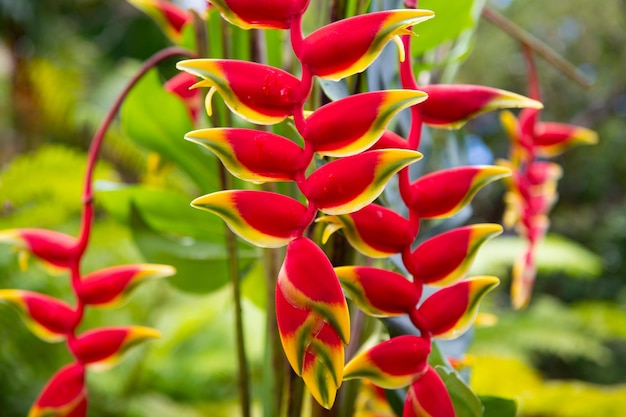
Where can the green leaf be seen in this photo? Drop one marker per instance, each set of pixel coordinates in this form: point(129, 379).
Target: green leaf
point(158, 121)
point(498, 407)
point(554, 253)
point(452, 17)
point(165, 211)
point(465, 402)
point(201, 265)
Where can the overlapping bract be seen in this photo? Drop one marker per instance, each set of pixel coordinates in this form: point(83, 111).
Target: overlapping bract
point(254, 14)
point(532, 188)
point(313, 318)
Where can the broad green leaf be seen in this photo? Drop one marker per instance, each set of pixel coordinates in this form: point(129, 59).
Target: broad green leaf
point(498, 407)
point(158, 121)
point(201, 265)
point(452, 17)
point(465, 402)
point(555, 253)
point(165, 211)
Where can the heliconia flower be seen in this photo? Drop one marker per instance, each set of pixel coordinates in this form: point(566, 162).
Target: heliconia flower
point(261, 14)
point(374, 230)
point(313, 319)
point(348, 46)
point(263, 218)
point(523, 279)
point(449, 312)
point(428, 397)
point(552, 139)
point(111, 286)
point(378, 292)
point(349, 184)
point(390, 140)
point(446, 258)
point(452, 105)
point(258, 93)
point(57, 249)
point(352, 124)
point(443, 193)
point(170, 17)
point(64, 395)
point(181, 85)
point(252, 155)
point(539, 172)
point(394, 363)
point(48, 318)
point(102, 348)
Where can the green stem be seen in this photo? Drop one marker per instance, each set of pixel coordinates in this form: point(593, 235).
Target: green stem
point(233, 272)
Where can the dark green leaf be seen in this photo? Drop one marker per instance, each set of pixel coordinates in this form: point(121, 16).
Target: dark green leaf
point(465, 402)
point(498, 407)
point(158, 121)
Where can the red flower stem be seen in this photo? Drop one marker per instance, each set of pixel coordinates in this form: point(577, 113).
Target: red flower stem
point(98, 138)
point(534, 87)
point(295, 34)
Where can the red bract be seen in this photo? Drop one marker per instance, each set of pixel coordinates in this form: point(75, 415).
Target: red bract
point(64, 395)
point(102, 348)
point(552, 139)
point(170, 17)
point(55, 248)
point(351, 125)
point(349, 46)
point(392, 364)
point(390, 140)
point(452, 105)
point(449, 312)
point(428, 397)
point(258, 93)
point(445, 192)
point(111, 286)
point(182, 85)
point(378, 292)
point(263, 218)
point(349, 184)
point(261, 14)
point(47, 317)
point(252, 155)
point(374, 230)
point(312, 317)
point(445, 258)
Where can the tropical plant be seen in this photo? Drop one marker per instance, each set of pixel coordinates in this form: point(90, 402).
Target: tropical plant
point(308, 124)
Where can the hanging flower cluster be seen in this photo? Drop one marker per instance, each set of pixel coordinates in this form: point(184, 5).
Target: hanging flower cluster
point(360, 156)
point(53, 320)
point(532, 188)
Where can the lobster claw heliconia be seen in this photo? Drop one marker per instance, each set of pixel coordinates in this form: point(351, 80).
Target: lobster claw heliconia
point(54, 248)
point(449, 312)
point(313, 319)
point(251, 155)
point(552, 139)
point(64, 395)
point(265, 219)
point(452, 105)
point(374, 230)
point(349, 184)
point(352, 124)
point(261, 14)
point(378, 292)
point(349, 46)
point(392, 364)
point(428, 397)
point(443, 193)
point(102, 348)
point(110, 287)
point(446, 258)
point(258, 93)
